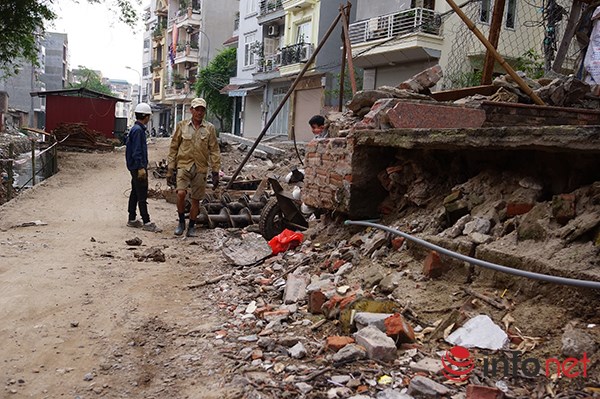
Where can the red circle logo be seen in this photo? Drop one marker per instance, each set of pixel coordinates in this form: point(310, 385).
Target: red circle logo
point(457, 363)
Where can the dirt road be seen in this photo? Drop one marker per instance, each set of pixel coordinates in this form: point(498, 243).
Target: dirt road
point(79, 315)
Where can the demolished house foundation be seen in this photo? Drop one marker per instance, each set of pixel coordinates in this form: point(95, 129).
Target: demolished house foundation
point(523, 177)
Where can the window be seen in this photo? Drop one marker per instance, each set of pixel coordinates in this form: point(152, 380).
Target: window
point(251, 7)
point(249, 55)
point(485, 14)
point(428, 4)
point(511, 10)
point(303, 33)
point(156, 86)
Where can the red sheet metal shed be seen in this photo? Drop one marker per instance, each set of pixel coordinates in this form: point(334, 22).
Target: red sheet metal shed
point(80, 105)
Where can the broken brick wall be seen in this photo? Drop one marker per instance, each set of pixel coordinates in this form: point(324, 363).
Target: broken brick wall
point(328, 173)
point(338, 171)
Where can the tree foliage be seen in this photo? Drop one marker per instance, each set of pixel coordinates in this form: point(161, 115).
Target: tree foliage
point(90, 80)
point(22, 24)
point(211, 80)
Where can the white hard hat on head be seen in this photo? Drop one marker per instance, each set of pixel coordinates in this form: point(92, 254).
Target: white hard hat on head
point(143, 108)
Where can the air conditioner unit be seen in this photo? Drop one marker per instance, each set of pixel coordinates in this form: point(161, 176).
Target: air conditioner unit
point(306, 52)
point(273, 30)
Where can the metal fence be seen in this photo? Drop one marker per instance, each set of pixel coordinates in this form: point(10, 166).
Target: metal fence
point(531, 32)
point(23, 170)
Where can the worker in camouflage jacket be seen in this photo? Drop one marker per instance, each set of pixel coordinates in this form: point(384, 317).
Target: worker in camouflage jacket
point(194, 147)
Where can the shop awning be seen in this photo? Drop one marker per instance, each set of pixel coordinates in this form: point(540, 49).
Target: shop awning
point(240, 90)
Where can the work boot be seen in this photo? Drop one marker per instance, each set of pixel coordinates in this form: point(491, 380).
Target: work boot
point(180, 229)
point(191, 232)
point(135, 223)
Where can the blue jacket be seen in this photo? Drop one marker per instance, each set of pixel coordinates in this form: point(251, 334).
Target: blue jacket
point(136, 151)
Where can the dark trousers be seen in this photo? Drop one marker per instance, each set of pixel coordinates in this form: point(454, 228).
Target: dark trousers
point(138, 197)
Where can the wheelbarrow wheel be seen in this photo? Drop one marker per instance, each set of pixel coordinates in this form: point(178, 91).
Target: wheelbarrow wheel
point(272, 221)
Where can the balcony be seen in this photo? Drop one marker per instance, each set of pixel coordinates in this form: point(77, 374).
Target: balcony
point(269, 63)
point(186, 53)
point(410, 35)
point(177, 92)
point(296, 53)
point(290, 4)
point(189, 16)
point(270, 10)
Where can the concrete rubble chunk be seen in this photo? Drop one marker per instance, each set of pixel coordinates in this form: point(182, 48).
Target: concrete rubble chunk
point(427, 365)
point(364, 319)
point(390, 282)
point(378, 345)
point(563, 208)
point(338, 392)
point(390, 393)
point(349, 353)
point(297, 351)
point(295, 288)
point(423, 80)
point(247, 249)
point(479, 238)
point(360, 397)
point(263, 147)
point(304, 387)
point(479, 332)
point(340, 379)
point(366, 99)
point(477, 225)
point(458, 227)
point(421, 386)
point(576, 342)
point(374, 243)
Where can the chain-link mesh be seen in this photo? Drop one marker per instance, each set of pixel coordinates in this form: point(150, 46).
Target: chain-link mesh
point(531, 33)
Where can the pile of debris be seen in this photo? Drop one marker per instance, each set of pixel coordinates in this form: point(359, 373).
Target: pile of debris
point(411, 104)
point(361, 317)
point(79, 135)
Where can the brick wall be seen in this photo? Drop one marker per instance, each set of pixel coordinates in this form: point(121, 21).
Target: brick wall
point(328, 174)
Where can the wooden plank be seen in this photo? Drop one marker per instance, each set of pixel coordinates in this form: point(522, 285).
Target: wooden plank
point(572, 23)
point(457, 94)
point(495, 27)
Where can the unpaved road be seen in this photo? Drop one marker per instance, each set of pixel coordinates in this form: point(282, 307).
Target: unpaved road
point(80, 316)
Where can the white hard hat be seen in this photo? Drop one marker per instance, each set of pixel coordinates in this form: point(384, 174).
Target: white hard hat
point(143, 108)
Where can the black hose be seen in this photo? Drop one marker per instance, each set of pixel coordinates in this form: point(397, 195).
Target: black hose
point(482, 263)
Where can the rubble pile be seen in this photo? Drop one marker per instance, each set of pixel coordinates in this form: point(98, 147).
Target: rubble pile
point(411, 104)
point(78, 135)
point(356, 315)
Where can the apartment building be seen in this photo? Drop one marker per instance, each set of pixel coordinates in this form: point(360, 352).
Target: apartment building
point(185, 36)
point(276, 39)
point(394, 39)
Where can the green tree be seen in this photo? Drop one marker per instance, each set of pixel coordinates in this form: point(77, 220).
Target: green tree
point(22, 24)
point(89, 79)
point(210, 82)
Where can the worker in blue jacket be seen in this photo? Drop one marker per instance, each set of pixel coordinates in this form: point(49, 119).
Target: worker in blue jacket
point(136, 155)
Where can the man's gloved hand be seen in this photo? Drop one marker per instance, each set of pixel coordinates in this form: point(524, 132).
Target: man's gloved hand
point(171, 179)
point(141, 174)
point(215, 179)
